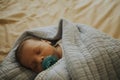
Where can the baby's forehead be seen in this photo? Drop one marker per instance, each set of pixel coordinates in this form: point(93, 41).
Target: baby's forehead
point(29, 46)
point(30, 41)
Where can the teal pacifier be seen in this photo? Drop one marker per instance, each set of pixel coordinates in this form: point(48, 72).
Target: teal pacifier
point(49, 61)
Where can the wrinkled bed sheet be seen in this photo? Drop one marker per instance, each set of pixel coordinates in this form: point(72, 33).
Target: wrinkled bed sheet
point(16, 16)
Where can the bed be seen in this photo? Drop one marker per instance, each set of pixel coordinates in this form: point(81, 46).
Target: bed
point(18, 16)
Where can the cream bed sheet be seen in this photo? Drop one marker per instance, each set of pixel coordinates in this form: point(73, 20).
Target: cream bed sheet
point(16, 16)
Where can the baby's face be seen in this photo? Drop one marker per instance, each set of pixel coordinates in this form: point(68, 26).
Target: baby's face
point(33, 53)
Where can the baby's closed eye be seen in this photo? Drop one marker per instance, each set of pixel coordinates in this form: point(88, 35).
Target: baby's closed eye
point(37, 50)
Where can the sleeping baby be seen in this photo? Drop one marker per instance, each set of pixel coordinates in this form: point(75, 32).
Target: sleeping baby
point(38, 54)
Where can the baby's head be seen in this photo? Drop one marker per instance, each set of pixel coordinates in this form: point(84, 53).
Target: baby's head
point(31, 52)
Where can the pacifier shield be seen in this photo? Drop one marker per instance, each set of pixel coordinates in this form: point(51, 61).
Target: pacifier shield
point(49, 61)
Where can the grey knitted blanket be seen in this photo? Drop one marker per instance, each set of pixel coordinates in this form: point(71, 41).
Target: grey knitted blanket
point(88, 54)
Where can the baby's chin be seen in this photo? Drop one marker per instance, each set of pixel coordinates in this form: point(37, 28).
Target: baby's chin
point(37, 71)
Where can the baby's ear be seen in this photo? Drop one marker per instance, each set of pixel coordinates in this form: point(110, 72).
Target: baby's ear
point(46, 41)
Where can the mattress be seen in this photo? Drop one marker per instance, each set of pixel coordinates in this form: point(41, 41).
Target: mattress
point(16, 16)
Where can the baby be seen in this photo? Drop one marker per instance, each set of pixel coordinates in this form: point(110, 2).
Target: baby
point(32, 51)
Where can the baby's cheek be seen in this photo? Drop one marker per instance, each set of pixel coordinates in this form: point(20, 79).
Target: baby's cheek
point(39, 69)
point(48, 51)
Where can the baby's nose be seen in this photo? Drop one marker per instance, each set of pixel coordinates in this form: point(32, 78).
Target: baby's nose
point(42, 58)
